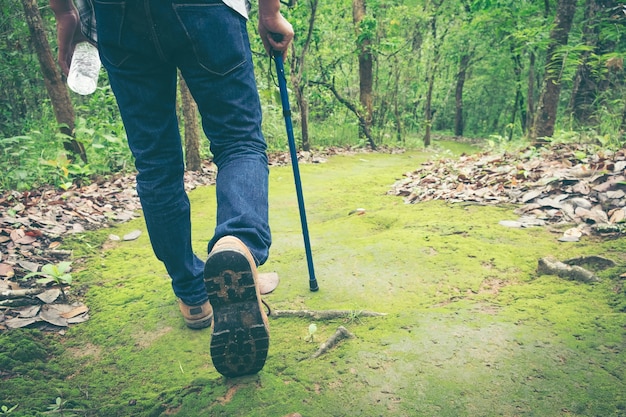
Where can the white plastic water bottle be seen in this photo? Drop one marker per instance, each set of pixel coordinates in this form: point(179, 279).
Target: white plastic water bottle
point(84, 69)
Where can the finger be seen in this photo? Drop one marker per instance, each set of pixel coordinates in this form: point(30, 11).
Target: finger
point(277, 37)
point(279, 42)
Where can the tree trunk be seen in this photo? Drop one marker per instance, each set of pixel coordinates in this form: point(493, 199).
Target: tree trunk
point(396, 108)
point(587, 83)
point(431, 71)
point(459, 123)
point(622, 125)
point(304, 123)
point(297, 77)
point(57, 91)
point(301, 102)
point(427, 109)
point(193, 162)
point(551, 89)
point(517, 69)
point(303, 105)
point(366, 79)
point(530, 95)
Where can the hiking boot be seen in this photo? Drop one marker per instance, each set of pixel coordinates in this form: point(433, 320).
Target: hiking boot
point(240, 339)
point(196, 317)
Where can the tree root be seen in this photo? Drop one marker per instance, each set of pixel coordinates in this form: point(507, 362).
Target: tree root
point(593, 261)
point(551, 266)
point(325, 314)
point(340, 334)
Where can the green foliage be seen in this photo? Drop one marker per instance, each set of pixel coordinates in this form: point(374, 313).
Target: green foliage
point(38, 157)
point(312, 329)
point(367, 30)
point(4, 410)
point(60, 406)
point(65, 169)
point(22, 158)
point(409, 40)
point(566, 61)
point(22, 89)
point(59, 274)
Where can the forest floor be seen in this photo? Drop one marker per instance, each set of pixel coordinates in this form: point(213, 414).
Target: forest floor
point(471, 328)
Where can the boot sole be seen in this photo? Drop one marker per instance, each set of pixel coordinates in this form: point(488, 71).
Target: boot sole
point(240, 339)
point(199, 324)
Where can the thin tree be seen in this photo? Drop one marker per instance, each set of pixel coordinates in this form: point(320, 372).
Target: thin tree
point(465, 61)
point(551, 89)
point(298, 66)
point(193, 162)
point(433, 67)
point(364, 48)
point(530, 94)
point(518, 101)
point(57, 90)
point(592, 82)
point(459, 122)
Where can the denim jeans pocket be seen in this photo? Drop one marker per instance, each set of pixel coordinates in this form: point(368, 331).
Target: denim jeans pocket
point(216, 34)
point(110, 18)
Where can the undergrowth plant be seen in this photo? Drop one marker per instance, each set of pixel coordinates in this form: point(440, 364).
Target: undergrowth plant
point(59, 407)
point(59, 274)
point(5, 410)
point(37, 157)
point(21, 161)
point(311, 335)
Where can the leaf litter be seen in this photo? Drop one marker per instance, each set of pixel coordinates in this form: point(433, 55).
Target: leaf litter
point(32, 227)
point(563, 184)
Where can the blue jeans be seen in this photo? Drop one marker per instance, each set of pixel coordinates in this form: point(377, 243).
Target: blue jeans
point(142, 43)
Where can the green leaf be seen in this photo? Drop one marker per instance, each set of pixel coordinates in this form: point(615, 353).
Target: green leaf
point(49, 269)
point(66, 279)
point(32, 274)
point(45, 280)
point(63, 267)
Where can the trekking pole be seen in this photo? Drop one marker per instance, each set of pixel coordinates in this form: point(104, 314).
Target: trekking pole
point(284, 97)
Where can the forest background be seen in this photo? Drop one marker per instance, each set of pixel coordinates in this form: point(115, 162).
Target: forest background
point(361, 72)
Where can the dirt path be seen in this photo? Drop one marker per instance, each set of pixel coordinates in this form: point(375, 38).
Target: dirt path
point(470, 330)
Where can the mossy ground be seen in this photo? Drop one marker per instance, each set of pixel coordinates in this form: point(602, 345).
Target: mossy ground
point(470, 331)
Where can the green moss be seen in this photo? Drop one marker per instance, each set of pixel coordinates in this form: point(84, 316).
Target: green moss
point(471, 329)
point(26, 349)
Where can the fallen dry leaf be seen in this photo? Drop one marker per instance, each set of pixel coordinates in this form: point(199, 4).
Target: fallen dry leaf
point(571, 235)
point(29, 312)
point(6, 270)
point(49, 296)
point(51, 313)
point(77, 310)
point(17, 323)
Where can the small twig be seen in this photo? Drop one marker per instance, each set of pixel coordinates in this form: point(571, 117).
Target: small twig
point(340, 334)
point(59, 253)
point(13, 294)
point(325, 314)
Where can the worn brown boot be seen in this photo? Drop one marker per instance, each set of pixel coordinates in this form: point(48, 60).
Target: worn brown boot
point(240, 339)
point(196, 317)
